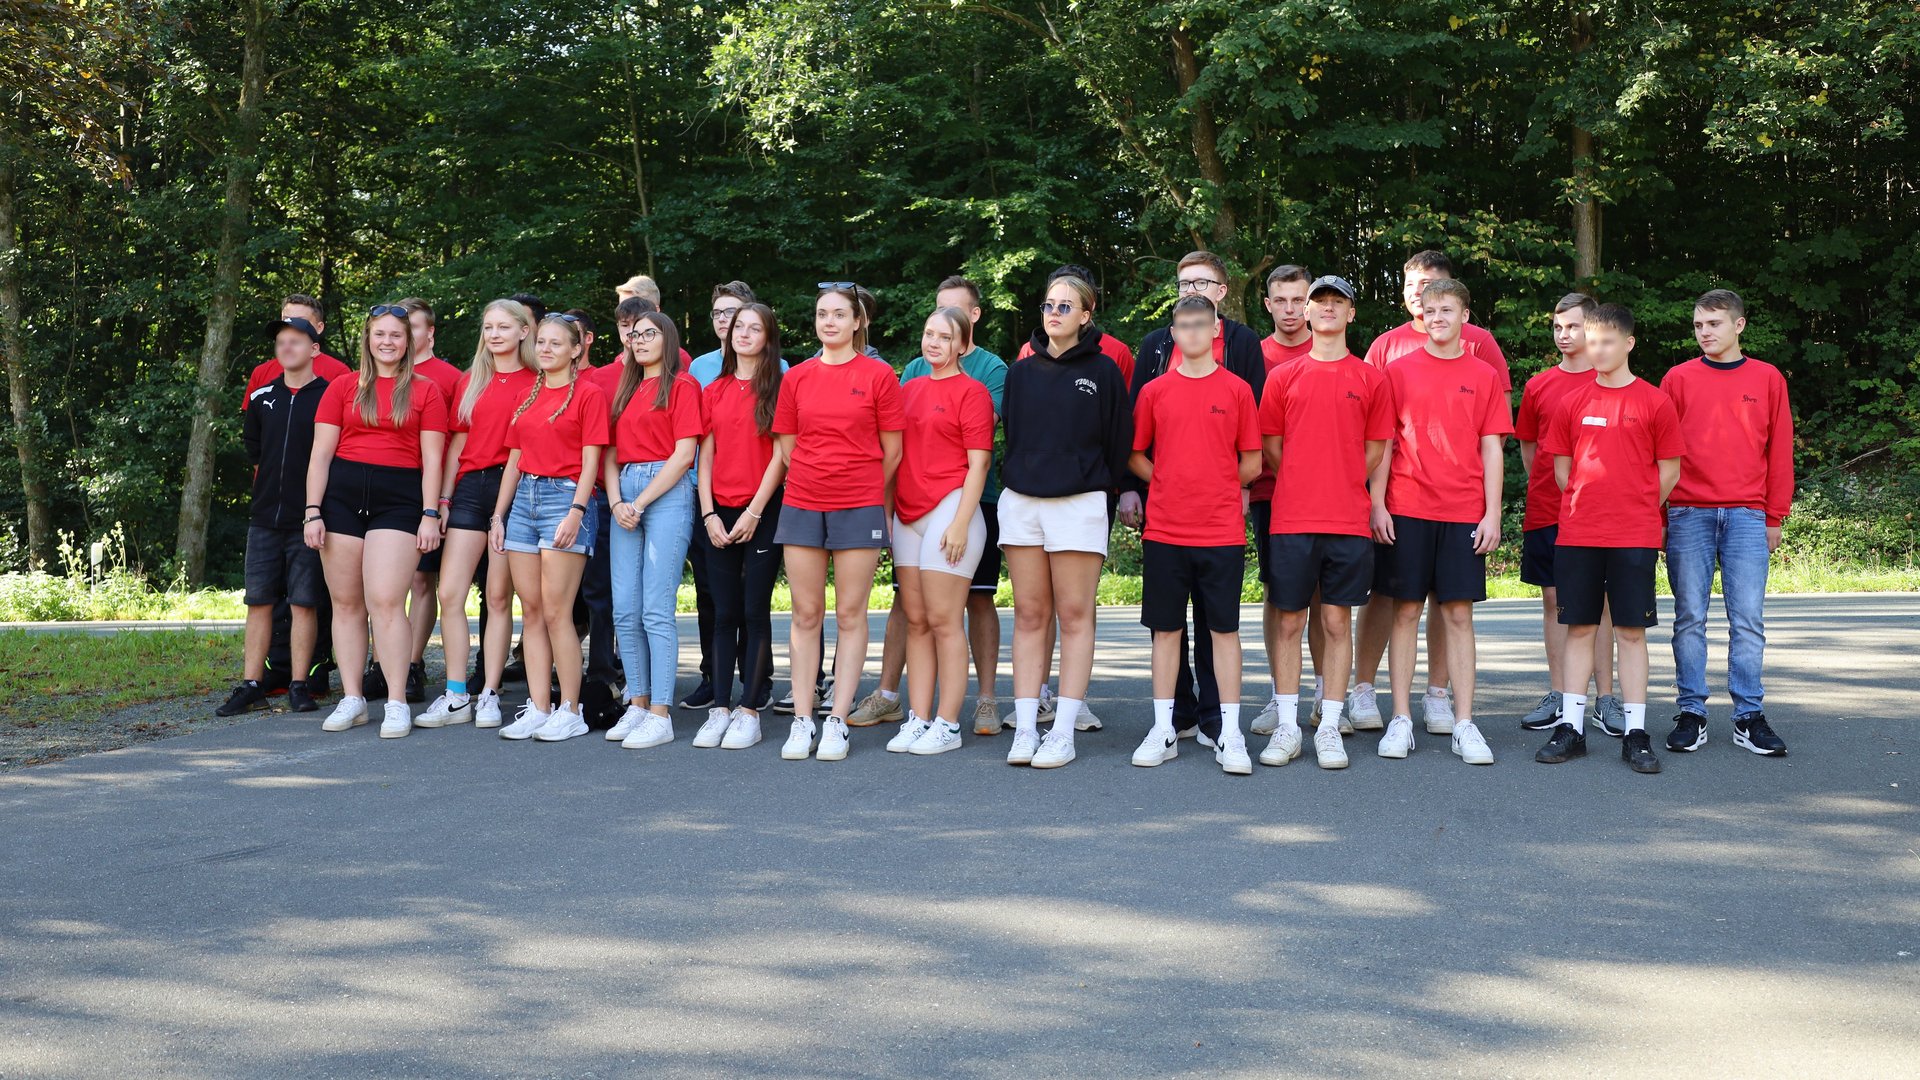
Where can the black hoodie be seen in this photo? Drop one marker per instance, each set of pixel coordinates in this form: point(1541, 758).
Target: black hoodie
point(1069, 421)
point(278, 433)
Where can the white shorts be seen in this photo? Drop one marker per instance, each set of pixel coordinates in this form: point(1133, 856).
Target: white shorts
point(1067, 523)
point(916, 545)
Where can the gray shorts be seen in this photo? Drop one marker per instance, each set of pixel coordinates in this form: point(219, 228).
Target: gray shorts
point(835, 530)
point(280, 564)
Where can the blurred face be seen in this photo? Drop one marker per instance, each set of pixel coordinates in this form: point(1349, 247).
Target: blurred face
point(959, 298)
point(1570, 332)
point(1061, 314)
point(1202, 280)
point(1607, 347)
point(646, 343)
point(422, 334)
point(834, 320)
point(938, 342)
point(302, 311)
point(1442, 315)
point(553, 348)
point(1717, 330)
point(1329, 312)
point(626, 328)
point(724, 309)
point(387, 339)
point(1287, 303)
point(294, 349)
point(1193, 332)
point(749, 334)
point(501, 333)
point(1415, 283)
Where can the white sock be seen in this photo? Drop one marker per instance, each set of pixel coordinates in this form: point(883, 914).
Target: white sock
point(1230, 721)
point(1289, 708)
point(1163, 714)
point(1066, 711)
point(890, 695)
point(1636, 716)
point(1573, 710)
point(1330, 712)
point(1026, 715)
point(1319, 687)
point(1439, 692)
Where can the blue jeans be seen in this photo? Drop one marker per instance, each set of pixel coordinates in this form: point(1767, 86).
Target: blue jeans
point(1735, 539)
point(646, 564)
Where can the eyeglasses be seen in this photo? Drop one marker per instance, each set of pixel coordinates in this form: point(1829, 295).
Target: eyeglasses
point(647, 336)
point(1197, 284)
point(1064, 307)
point(394, 310)
point(724, 312)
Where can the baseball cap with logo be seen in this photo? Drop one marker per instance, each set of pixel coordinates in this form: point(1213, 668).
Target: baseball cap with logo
point(302, 325)
point(1337, 284)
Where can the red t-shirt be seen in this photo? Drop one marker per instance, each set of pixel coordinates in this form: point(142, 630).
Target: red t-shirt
point(1404, 340)
point(386, 444)
point(440, 373)
point(1197, 429)
point(1325, 413)
point(1274, 354)
point(551, 446)
point(945, 419)
point(740, 452)
point(1739, 431)
point(1442, 409)
point(836, 413)
point(327, 367)
point(1539, 409)
point(606, 377)
point(1110, 347)
point(649, 434)
point(1616, 438)
point(486, 429)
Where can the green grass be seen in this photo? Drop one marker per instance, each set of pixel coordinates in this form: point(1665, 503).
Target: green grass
point(67, 676)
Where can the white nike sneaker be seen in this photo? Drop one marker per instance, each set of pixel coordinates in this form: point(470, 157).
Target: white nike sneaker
point(1025, 745)
point(525, 722)
point(1159, 747)
point(799, 744)
point(652, 730)
point(445, 711)
point(1055, 750)
point(834, 742)
point(1268, 719)
point(1284, 747)
point(562, 724)
point(1232, 754)
point(351, 712)
point(486, 709)
point(714, 730)
point(624, 726)
point(1328, 748)
point(1468, 743)
point(1363, 707)
point(1437, 711)
point(742, 731)
point(908, 734)
point(397, 721)
point(940, 737)
point(1399, 738)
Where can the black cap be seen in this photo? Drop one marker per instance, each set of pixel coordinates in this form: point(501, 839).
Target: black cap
point(1337, 284)
point(302, 325)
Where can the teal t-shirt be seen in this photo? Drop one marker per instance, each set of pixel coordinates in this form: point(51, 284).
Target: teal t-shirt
point(992, 372)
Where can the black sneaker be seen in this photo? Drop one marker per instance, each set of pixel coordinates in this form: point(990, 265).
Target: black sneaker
point(244, 699)
point(785, 705)
point(417, 681)
point(374, 683)
point(1755, 734)
point(701, 698)
point(1689, 733)
point(320, 681)
point(1565, 745)
point(1636, 749)
point(298, 700)
point(515, 671)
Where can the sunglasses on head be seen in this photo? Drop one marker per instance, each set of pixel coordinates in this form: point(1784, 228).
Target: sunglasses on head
point(394, 310)
point(564, 317)
point(837, 285)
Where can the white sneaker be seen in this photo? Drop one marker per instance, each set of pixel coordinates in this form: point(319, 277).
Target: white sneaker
point(1086, 721)
point(652, 730)
point(833, 741)
point(1048, 703)
point(714, 730)
point(486, 709)
point(1468, 743)
point(445, 711)
point(525, 722)
point(624, 726)
point(1363, 708)
point(1159, 747)
point(799, 744)
point(1398, 739)
point(743, 730)
point(940, 737)
point(1346, 724)
point(397, 721)
point(1349, 725)
point(351, 712)
point(1328, 748)
point(1025, 745)
point(1055, 750)
point(908, 734)
point(1284, 747)
point(1437, 711)
point(1268, 720)
point(562, 724)
point(1232, 755)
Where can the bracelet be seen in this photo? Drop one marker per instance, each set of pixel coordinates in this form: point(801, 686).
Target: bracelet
point(446, 500)
point(311, 506)
point(580, 507)
point(750, 513)
point(710, 514)
point(313, 519)
point(430, 513)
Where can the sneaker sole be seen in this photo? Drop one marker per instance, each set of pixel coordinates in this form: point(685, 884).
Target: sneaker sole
point(1437, 729)
point(431, 724)
point(1544, 758)
point(1027, 760)
point(1618, 733)
point(725, 745)
point(707, 744)
point(1256, 729)
point(1401, 755)
point(1235, 769)
point(486, 725)
point(1375, 724)
point(336, 730)
point(1530, 724)
point(1488, 760)
point(1172, 752)
point(876, 721)
point(1643, 768)
point(1050, 764)
point(559, 738)
point(1743, 743)
point(836, 755)
point(626, 745)
point(793, 755)
point(401, 734)
point(1697, 744)
point(941, 749)
point(515, 738)
point(1332, 763)
point(622, 737)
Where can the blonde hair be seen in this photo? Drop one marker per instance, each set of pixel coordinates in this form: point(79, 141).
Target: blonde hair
point(366, 397)
point(1081, 290)
point(638, 285)
point(962, 330)
point(573, 370)
point(480, 373)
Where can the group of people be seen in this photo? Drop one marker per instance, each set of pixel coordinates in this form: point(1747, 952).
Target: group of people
point(1369, 482)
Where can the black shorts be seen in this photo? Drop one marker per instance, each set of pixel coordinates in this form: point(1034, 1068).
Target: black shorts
point(1619, 578)
point(474, 497)
point(1536, 555)
point(986, 576)
point(363, 497)
point(1430, 558)
point(1171, 574)
point(1260, 516)
point(429, 561)
point(834, 530)
point(280, 566)
point(1341, 567)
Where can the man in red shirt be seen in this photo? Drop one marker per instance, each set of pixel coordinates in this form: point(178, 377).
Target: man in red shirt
point(1325, 419)
point(1616, 451)
point(297, 306)
point(1286, 301)
point(1198, 419)
point(1735, 490)
point(1436, 513)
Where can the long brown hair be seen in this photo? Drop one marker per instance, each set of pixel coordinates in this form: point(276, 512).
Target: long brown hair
point(573, 370)
point(480, 373)
point(862, 314)
point(631, 375)
point(366, 398)
point(766, 377)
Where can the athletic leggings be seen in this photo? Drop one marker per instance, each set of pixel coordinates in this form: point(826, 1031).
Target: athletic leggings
point(741, 576)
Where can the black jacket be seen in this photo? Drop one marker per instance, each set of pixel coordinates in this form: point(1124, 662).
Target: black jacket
point(278, 433)
point(1069, 421)
point(1240, 353)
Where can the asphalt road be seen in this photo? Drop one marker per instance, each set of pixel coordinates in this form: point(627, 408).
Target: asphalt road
point(266, 900)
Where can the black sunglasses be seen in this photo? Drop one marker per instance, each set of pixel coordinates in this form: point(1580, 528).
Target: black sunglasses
point(394, 310)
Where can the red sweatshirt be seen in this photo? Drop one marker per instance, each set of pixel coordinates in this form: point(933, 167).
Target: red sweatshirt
point(1739, 431)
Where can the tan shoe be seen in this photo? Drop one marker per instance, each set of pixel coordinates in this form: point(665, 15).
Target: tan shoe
point(986, 717)
point(874, 709)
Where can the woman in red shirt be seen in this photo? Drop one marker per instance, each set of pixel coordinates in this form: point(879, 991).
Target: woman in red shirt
point(939, 533)
point(484, 401)
point(838, 425)
point(740, 498)
point(541, 525)
point(372, 490)
point(656, 433)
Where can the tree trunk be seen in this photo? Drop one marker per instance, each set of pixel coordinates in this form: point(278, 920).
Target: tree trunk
point(243, 141)
point(1225, 227)
point(26, 428)
point(1586, 207)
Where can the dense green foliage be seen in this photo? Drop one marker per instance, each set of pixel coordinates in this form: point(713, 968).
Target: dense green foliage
point(465, 149)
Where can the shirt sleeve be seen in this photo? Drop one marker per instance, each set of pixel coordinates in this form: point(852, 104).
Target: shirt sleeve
point(1143, 421)
point(786, 407)
point(595, 417)
point(1497, 418)
point(889, 404)
point(1667, 441)
point(333, 403)
point(684, 412)
point(1249, 423)
point(1379, 425)
point(1495, 359)
point(433, 407)
point(1556, 439)
point(1780, 455)
point(1526, 426)
point(976, 419)
point(1273, 408)
point(250, 434)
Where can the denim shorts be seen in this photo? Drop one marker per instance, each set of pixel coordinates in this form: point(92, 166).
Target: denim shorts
point(540, 504)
